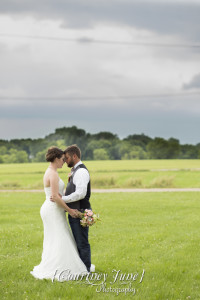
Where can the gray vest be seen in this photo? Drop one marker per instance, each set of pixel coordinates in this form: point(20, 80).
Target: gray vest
point(83, 203)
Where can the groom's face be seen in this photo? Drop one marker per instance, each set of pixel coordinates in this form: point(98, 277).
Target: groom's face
point(69, 160)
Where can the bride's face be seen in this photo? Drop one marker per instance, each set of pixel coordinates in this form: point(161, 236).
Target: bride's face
point(60, 161)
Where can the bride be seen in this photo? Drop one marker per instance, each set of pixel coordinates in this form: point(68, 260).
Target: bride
point(59, 248)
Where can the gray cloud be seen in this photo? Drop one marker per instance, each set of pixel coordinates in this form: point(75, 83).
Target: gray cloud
point(41, 75)
point(38, 120)
point(162, 17)
point(194, 83)
point(94, 107)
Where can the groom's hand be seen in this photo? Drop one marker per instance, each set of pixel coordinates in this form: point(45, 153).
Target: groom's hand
point(51, 198)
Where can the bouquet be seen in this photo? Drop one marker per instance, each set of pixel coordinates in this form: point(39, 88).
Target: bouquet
point(89, 218)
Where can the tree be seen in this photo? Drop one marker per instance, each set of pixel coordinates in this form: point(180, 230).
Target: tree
point(102, 145)
point(157, 149)
point(189, 152)
point(21, 157)
point(104, 135)
point(138, 140)
point(15, 156)
point(132, 152)
point(38, 145)
point(21, 144)
point(96, 144)
point(70, 135)
point(3, 150)
point(137, 152)
point(61, 144)
point(160, 148)
point(100, 154)
point(40, 156)
point(12, 158)
point(114, 150)
point(173, 148)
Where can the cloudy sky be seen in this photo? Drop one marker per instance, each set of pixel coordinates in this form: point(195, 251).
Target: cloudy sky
point(125, 66)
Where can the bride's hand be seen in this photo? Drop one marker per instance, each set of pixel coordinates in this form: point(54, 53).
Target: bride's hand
point(74, 213)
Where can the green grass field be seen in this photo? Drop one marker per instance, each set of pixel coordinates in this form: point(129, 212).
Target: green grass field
point(155, 232)
point(111, 174)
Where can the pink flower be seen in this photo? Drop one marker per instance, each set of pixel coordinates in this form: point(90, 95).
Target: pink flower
point(90, 213)
point(88, 218)
point(69, 175)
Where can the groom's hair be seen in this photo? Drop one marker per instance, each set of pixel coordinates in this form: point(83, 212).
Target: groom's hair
point(73, 149)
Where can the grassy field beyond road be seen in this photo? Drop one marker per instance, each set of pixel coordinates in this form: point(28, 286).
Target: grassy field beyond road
point(111, 174)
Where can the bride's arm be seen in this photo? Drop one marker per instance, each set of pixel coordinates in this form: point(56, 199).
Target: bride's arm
point(54, 183)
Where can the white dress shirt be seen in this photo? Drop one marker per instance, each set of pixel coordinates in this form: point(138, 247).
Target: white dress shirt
point(80, 180)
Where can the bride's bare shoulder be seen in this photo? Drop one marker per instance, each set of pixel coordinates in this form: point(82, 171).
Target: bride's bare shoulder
point(49, 174)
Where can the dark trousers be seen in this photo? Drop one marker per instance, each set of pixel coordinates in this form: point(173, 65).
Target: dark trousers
point(81, 237)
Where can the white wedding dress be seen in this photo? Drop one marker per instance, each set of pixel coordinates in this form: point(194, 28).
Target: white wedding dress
point(60, 254)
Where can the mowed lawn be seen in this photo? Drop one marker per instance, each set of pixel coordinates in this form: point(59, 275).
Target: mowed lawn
point(155, 232)
point(110, 174)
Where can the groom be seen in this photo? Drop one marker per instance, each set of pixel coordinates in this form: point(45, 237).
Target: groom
point(77, 196)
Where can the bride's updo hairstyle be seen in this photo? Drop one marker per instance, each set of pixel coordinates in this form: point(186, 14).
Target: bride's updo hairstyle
point(53, 153)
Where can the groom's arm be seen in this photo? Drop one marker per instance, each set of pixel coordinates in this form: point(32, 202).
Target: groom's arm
point(80, 180)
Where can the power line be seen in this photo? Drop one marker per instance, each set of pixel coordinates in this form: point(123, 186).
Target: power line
point(86, 40)
point(46, 98)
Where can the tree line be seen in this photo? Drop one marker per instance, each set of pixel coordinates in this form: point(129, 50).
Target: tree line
point(100, 146)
